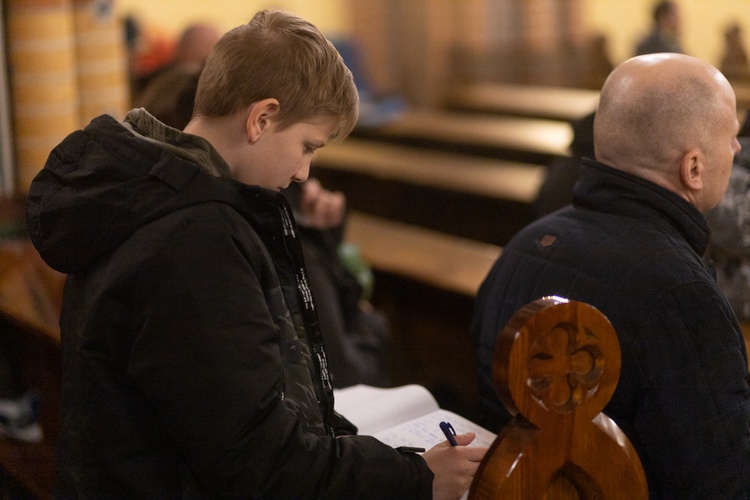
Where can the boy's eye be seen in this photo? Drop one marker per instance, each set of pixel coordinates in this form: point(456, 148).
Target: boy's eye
point(309, 149)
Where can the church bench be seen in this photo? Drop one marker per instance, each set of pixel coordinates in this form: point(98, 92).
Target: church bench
point(535, 101)
point(425, 284)
point(475, 197)
point(532, 140)
point(444, 261)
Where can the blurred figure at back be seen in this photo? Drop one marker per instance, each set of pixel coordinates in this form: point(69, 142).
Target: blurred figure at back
point(665, 30)
point(729, 248)
point(734, 63)
point(168, 92)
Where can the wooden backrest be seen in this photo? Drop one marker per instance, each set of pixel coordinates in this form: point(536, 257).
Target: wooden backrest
point(556, 366)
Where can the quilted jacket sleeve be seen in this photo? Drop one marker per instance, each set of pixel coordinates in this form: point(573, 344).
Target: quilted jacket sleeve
point(207, 357)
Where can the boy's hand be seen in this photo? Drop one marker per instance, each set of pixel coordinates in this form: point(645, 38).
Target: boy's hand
point(322, 209)
point(454, 466)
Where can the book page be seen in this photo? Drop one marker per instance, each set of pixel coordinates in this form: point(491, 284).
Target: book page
point(424, 431)
point(403, 416)
point(374, 409)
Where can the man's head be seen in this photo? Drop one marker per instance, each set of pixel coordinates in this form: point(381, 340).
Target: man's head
point(281, 56)
point(671, 119)
point(194, 45)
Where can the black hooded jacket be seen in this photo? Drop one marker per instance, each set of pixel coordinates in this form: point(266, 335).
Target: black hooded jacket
point(193, 360)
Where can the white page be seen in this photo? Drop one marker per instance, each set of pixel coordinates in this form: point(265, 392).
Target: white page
point(403, 416)
point(373, 409)
point(424, 431)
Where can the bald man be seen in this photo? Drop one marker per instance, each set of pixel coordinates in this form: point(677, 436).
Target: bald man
point(631, 245)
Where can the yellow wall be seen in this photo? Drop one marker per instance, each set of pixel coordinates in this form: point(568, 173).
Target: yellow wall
point(703, 24)
point(170, 16)
point(623, 21)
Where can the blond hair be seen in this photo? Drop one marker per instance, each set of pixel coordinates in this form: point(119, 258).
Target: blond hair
point(278, 55)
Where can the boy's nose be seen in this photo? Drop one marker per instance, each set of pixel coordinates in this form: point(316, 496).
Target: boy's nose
point(302, 173)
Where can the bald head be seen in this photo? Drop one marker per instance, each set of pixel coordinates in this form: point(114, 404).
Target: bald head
point(663, 116)
point(195, 43)
point(654, 108)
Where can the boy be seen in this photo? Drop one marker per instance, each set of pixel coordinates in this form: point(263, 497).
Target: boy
point(193, 360)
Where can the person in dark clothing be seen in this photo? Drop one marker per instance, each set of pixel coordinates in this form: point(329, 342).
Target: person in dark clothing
point(357, 336)
point(557, 189)
point(631, 245)
point(193, 359)
point(161, 87)
point(665, 31)
point(729, 221)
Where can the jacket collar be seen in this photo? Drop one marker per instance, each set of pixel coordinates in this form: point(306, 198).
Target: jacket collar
point(190, 147)
point(607, 189)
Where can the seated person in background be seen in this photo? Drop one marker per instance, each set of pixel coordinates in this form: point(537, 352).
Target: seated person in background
point(734, 61)
point(665, 30)
point(168, 92)
point(557, 189)
point(375, 107)
point(193, 359)
point(357, 336)
point(631, 245)
point(19, 405)
point(729, 248)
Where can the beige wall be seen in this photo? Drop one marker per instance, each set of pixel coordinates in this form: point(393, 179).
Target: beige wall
point(703, 24)
point(622, 21)
point(170, 16)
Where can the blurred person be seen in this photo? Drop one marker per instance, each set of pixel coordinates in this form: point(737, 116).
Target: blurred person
point(734, 63)
point(557, 189)
point(729, 248)
point(665, 30)
point(169, 88)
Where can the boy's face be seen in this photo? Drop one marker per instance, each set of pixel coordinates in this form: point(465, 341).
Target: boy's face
point(279, 157)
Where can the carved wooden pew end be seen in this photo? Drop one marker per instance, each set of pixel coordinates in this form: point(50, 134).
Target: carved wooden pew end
point(556, 365)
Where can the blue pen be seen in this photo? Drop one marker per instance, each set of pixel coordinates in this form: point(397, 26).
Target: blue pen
point(449, 432)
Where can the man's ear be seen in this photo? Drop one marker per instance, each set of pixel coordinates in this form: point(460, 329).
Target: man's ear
point(692, 170)
point(260, 116)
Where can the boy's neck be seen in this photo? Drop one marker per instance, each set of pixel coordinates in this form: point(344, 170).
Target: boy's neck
point(226, 134)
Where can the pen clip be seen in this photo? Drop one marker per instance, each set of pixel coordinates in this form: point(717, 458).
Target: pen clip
point(449, 432)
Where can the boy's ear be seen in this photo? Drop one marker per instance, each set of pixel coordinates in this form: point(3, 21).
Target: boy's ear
point(693, 170)
point(260, 116)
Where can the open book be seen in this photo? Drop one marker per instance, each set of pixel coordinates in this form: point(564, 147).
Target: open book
point(403, 416)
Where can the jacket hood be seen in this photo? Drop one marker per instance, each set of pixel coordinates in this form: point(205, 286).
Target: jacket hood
point(102, 183)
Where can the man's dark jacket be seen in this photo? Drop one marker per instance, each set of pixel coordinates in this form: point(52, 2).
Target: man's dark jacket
point(633, 250)
point(193, 362)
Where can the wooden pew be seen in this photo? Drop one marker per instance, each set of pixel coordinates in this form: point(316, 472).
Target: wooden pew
point(444, 261)
point(556, 366)
point(534, 101)
point(475, 197)
point(531, 140)
point(425, 283)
